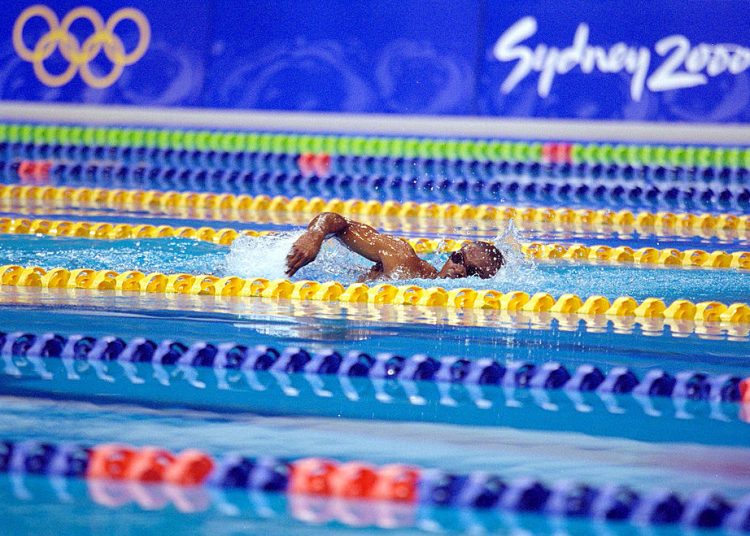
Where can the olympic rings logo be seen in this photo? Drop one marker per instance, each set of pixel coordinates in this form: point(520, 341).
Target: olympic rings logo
point(79, 56)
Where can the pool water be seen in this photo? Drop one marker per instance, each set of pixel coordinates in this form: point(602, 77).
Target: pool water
point(647, 443)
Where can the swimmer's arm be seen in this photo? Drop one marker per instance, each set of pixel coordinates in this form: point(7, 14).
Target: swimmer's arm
point(357, 237)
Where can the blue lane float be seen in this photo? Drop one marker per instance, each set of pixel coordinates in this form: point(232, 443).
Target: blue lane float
point(694, 188)
point(689, 384)
point(520, 186)
point(406, 167)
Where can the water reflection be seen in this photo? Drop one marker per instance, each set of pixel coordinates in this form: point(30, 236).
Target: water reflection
point(185, 510)
point(279, 393)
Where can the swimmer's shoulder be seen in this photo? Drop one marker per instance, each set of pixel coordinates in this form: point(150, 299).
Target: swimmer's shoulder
point(411, 268)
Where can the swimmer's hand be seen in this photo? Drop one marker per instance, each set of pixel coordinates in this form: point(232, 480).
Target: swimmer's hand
point(303, 252)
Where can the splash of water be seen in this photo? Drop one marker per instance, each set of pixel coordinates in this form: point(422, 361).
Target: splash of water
point(265, 256)
point(508, 241)
point(518, 267)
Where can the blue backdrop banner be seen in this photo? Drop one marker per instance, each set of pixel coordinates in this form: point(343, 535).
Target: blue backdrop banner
point(648, 60)
point(644, 60)
point(342, 55)
point(126, 52)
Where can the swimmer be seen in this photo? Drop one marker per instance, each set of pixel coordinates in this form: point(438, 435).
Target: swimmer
point(394, 258)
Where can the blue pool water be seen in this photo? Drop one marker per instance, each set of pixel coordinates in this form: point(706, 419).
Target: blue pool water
point(646, 443)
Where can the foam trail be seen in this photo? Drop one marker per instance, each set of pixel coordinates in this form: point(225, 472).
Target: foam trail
point(265, 256)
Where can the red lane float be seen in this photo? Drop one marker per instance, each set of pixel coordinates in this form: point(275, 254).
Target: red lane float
point(149, 464)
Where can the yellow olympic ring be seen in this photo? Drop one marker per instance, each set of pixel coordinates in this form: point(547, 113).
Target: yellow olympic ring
point(79, 55)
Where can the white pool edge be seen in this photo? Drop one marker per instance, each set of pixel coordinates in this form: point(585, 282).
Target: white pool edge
point(372, 124)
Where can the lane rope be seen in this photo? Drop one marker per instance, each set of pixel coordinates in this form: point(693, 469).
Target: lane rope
point(624, 221)
point(358, 480)
point(600, 253)
point(381, 294)
point(517, 183)
point(695, 395)
point(424, 147)
point(688, 384)
point(530, 322)
point(477, 229)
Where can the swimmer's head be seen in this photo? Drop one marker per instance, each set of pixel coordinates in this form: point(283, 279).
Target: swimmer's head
point(478, 258)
